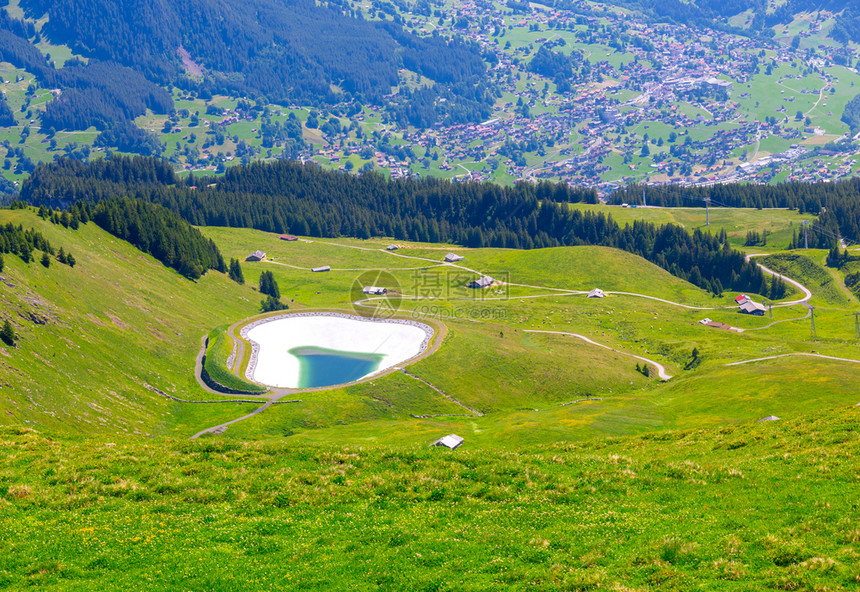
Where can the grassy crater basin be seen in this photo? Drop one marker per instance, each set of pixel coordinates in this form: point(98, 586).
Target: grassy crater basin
point(312, 350)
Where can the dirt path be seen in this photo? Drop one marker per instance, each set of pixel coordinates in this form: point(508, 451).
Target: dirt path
point(661, 371)
point(178, 400)
point(820, 98)
point(687, 306)
point(806, 316)
point(221, 428)
point(793, 354)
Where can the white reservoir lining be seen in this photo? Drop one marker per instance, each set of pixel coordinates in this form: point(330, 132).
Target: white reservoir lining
point(271, 339)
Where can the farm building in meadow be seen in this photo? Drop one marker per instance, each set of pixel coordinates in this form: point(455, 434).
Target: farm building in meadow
point(392, 247)
point(321, 269)
point(450, 441)
point(748, 306)
point(256, 256)
point(451, 257)
point(482, 282)
point(597, 293)
point(375, 290)
point(288, 237)
point(769, 418)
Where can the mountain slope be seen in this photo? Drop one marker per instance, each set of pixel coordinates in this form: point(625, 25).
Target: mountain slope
point(92, 337)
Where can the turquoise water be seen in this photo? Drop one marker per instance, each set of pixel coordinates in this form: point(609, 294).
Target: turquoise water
point(319, 366)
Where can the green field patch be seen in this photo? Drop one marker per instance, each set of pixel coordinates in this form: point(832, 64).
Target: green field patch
point(218, 350)
point(780, 224)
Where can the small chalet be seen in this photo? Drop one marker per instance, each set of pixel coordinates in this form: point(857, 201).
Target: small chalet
point(597, 293)
point(256, 256)
point(769, 418)
point(374, 290)
point(392, 247)
point(451, 441)
point(748, 306)
point(451, 257)
point(288, 237)
point(321, 269)
point(482, 282)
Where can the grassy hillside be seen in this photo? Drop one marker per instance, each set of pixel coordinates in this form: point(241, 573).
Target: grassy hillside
point(522, 380)
point(94, 336)
point(585, 268)
point(751, 507)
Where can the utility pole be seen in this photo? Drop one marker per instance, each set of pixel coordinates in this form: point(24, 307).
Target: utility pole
point(707, 211)
point(857, 325)
point(812, 316)
point(770, 309)
point(644, 203)
point(805, 224)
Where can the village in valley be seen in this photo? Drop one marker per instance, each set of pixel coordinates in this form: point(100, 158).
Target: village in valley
point(589, 94)
point(646, 102)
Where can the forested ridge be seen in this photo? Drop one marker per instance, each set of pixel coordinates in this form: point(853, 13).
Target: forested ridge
point(305, 199)
point(156, 230)
point(93, 94)
point(837, 204)
point(150, 227)
point(288, 51)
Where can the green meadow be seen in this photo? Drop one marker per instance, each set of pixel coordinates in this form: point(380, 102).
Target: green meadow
point(746, 507)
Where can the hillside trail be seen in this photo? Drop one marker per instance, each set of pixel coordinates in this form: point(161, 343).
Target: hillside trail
point(805, 354)
point(221, 428)
point(661, 370)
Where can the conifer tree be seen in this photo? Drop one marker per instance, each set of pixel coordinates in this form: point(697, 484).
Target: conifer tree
point(235, 272)
point(7, 334)
point(268, 285)
point(271, 304)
